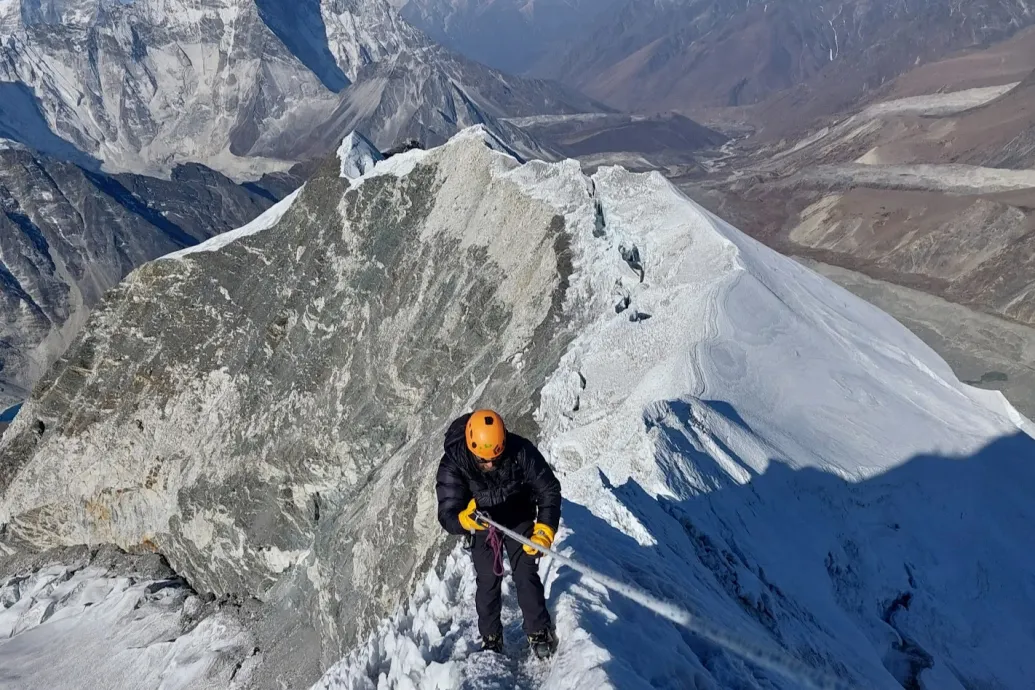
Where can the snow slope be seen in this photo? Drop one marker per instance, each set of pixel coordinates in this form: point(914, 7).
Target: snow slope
point(357, 155)
point(741, 437)
point(264, 221)
point(64, 626)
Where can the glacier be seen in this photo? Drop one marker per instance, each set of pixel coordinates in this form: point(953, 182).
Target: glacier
point(733, 433)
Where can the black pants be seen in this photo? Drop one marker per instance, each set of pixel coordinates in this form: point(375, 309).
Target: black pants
point(525, 573)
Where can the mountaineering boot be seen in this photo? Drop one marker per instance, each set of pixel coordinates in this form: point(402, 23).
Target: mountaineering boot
point(543, 643)
point(493, 643)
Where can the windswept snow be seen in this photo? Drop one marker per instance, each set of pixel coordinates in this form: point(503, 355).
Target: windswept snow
point(266, 220)
point(68, 627)
point(741, 437)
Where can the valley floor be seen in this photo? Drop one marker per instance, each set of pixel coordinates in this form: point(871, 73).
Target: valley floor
point(983, 350)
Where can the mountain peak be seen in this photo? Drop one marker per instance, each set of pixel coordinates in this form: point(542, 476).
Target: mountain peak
point(357, 155)
point(259, 89)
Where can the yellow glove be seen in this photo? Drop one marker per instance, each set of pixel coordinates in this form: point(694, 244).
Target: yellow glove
point(542, 535)
point(467, 520)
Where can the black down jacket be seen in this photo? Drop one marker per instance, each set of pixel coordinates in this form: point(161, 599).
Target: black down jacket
point(521, 487)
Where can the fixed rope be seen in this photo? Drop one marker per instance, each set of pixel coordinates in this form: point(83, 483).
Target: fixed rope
point(773, 659)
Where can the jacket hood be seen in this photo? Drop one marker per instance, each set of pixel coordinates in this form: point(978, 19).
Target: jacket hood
point(454, 438)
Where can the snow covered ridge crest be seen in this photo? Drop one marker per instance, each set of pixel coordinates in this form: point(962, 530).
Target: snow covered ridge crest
point(733, 433)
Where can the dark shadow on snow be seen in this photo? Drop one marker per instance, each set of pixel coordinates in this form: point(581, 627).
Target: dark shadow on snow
point(862, 568)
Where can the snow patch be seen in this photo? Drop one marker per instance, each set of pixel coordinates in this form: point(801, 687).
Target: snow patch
point(57, 623)
point(266, 220)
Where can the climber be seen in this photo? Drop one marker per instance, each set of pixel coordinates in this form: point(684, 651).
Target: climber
point(495, 471)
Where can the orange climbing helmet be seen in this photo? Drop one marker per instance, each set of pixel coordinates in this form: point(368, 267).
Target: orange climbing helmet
point(486, 435)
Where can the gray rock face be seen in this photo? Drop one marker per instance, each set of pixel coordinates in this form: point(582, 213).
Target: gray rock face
point(68, 234)
point(146, 85)
point(234, 84)
point(408, 98)
point(512, 35)
point(270, 415)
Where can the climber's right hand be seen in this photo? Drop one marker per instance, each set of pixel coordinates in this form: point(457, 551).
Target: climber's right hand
point(467, 520)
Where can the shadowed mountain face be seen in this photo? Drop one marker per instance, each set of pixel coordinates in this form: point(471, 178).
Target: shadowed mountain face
point(68, 234)
point(402, 99)
point(300, 27)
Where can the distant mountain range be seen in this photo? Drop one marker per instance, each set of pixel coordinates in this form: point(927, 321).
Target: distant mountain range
point(518, 36)
point(243, 86)
point(690, 55)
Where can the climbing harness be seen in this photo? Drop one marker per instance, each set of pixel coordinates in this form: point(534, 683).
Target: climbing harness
point(773, 659)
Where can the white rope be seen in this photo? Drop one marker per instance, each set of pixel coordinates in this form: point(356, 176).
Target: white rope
point(773, 659)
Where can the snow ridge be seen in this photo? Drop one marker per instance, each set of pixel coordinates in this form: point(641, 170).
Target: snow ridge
point(741, 437)
point(266, 220)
